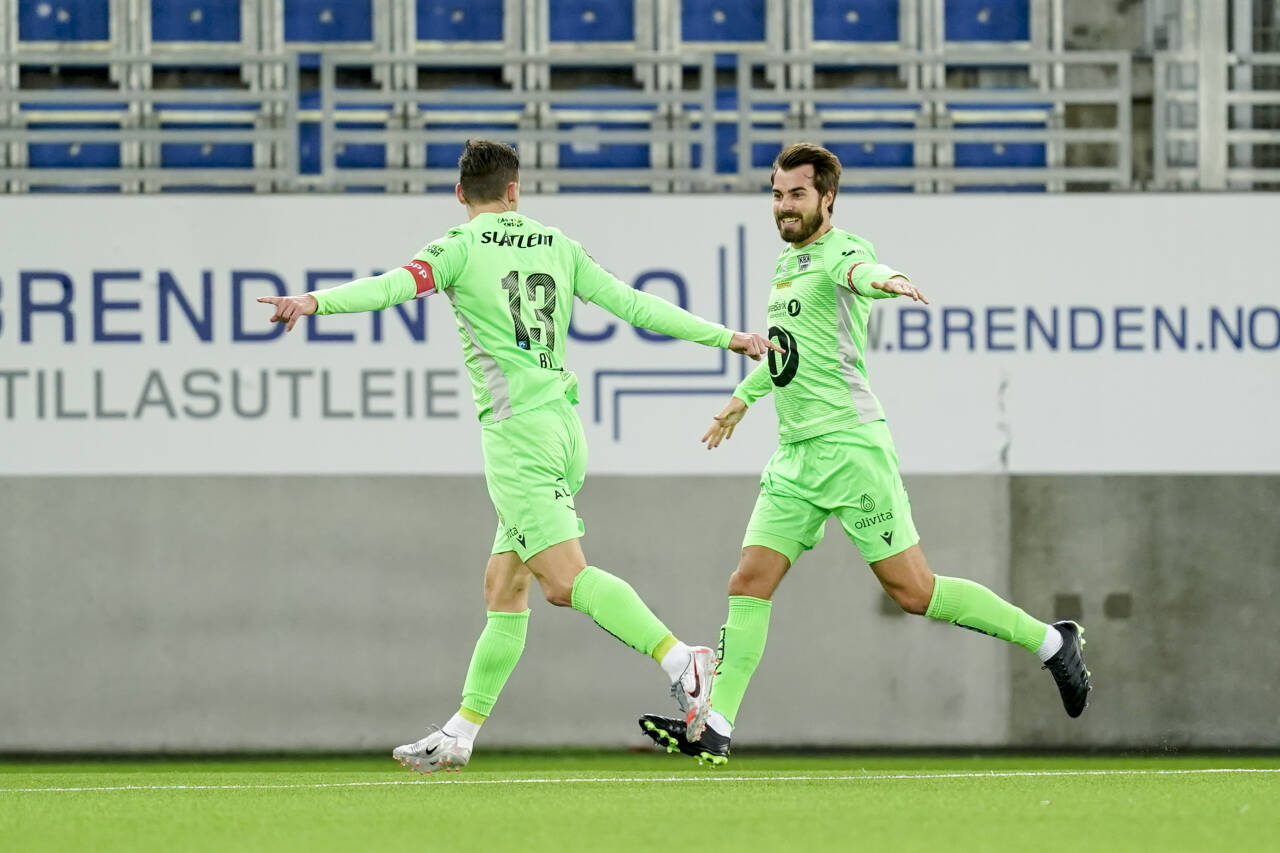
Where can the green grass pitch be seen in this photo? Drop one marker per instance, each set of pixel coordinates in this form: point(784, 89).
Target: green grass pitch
point(574, 800)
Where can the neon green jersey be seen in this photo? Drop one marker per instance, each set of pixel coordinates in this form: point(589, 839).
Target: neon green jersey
point(511, 281)
point(818, 308)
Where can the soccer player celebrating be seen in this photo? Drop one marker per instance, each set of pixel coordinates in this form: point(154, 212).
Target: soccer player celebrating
point(511, 281)
point(835, 456)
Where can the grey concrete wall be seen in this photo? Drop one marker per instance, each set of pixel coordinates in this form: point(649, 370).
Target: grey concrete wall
point(1177, 580)
point(226, 613)
point(276, 612)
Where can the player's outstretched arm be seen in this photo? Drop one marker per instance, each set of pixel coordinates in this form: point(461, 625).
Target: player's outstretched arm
point(592, 283)
point(899, 286)
point(722, 424)
point(364, 294)
point(290, 308)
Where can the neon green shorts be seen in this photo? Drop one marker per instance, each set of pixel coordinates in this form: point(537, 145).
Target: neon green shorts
point(852, 474)
point(534, 464)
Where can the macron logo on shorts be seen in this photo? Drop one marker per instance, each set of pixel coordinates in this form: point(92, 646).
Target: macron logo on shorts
point(422, 276)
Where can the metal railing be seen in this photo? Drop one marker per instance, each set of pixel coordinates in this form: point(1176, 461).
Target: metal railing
point(405, 121)
point(1195, 135)
point(675, 125)
point(937, 119)
point(141, 121)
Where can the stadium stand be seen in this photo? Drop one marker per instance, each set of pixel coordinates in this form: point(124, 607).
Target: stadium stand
point(1216, 119)
point(914, 95)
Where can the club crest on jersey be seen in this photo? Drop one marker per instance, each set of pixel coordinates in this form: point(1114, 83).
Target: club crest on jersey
point(803, 261)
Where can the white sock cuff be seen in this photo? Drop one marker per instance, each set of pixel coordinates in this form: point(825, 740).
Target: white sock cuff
point(461, 728)
point(718, 723)
point(676, 660)
point(1050, 645)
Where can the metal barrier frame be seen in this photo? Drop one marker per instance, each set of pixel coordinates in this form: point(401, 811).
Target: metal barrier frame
point(931, 101)
point(1211, 137)
point(277, 112)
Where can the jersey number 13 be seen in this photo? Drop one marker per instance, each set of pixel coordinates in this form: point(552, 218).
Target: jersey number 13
point(537, 285)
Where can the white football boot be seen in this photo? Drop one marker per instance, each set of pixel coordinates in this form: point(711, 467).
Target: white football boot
point(436, 751)
point(692, 690)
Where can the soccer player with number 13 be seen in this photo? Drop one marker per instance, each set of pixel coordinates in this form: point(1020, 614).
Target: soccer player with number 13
point(511, 281)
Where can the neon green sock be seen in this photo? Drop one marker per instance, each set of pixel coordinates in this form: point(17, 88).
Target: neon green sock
point(741, 646)
point(665, 645)
point(973, 606)
point(618, 609)
point(495, 657)
point(472, 716)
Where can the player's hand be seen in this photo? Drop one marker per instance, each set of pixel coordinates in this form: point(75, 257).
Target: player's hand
point(752, 345)
point(290, 308)
point(901, 287)
point(722, 424)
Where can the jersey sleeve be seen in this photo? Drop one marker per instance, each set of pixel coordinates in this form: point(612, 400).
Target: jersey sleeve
point(853, 264)
point(366, 294)
point(441, 262)
point(594, 284)
point(758, 383)
point(437, 266)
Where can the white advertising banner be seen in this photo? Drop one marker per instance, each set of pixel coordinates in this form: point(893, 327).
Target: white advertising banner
point(1065, 334)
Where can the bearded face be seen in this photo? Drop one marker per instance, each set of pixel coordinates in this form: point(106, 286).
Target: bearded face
point(799, 210)
point(797, 224)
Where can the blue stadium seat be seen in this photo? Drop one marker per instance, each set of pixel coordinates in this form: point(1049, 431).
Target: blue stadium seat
point(987, 20)
point(75, 155)
point(206, 155)
point(860, 158)
point(730, 27)
point(347, 155)
point(487, 121)
point(604, 155)
point(459, 21)
point(726, 133)
point(64, 20)
point(195, 20)
point(726, 22)
point(856, 20)
point(1001, 155)
point(592, 21)
point(68, 152)
point(320, 21)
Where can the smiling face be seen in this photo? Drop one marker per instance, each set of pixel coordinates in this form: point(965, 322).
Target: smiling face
point(801, 213)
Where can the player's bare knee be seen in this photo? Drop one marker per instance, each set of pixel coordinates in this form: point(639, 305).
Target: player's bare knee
point(759, 572)
point(558, 594)
point(746, 583)
point(911, 599)
point(557, 590)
